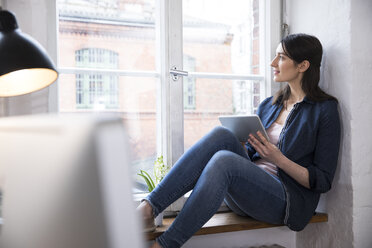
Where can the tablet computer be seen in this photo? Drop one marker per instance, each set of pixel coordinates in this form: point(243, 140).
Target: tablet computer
point(243, 125)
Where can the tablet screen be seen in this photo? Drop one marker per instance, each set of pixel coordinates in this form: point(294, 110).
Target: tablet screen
point(243, 125)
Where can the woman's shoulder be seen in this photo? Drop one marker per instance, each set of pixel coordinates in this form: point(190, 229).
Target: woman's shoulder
point(328, 105)
point(265, 104)
point(267, 101)
point(266, 108)
point(328, 110)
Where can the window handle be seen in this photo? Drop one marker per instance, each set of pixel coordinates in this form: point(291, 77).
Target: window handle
point(176, 73)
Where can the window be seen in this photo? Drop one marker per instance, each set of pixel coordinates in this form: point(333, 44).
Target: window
point(115, 56)
point(107, 63)
point(226, 45)
point(240, 97)
point(189, 84)
point(79, 90)
point(96, 91)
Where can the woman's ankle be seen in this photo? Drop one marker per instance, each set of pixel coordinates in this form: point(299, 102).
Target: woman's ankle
point(146, 209)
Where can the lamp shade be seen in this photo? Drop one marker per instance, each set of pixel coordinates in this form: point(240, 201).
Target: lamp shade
point(24, 64)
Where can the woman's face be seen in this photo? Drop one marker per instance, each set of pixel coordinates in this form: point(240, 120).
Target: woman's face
point(285, 69)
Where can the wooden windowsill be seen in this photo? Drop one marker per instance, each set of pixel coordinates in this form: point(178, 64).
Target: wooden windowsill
point(228, 222)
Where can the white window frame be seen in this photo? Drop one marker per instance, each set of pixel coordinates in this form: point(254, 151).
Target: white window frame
point(172, 48)
point(170, 143)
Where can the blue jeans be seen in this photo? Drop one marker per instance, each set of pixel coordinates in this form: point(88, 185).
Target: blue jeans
point(217, 168)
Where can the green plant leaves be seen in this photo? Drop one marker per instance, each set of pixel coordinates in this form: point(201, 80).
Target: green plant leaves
point(160, 170)
point(150, 183)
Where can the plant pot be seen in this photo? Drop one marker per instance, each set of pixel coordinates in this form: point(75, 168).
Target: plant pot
point(159, 219)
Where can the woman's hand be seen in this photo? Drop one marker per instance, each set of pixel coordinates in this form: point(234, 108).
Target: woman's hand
point(271, 153)
point(267, 150)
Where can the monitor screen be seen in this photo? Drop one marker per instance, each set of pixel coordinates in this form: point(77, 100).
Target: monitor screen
point(65, 182)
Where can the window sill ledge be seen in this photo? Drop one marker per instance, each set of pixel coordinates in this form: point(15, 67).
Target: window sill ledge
point(228, 222)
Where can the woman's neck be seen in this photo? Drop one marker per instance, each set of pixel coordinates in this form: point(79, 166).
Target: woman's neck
point(297, 94)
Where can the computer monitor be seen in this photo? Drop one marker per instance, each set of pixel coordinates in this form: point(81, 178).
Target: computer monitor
point(65, 183)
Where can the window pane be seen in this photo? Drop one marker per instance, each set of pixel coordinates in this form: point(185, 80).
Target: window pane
point(137, 107)
point(215, 98)
point(111, 35)
point(125, 27)
point(222, 35)
point(138, 101)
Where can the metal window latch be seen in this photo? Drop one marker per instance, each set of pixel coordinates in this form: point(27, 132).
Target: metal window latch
point(176, 73)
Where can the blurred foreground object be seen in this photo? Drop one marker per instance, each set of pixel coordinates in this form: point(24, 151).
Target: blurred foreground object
point(65, 182)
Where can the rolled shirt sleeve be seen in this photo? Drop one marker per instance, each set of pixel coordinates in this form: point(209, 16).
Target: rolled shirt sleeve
point(323, 168)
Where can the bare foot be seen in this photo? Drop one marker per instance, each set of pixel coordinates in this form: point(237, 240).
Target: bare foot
point(155, 245)
point(145, 210)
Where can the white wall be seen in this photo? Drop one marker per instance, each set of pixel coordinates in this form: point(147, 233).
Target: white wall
point(344, 28)
point(361, 66)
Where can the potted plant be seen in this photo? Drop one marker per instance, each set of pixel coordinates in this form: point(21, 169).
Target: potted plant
point(160, 170)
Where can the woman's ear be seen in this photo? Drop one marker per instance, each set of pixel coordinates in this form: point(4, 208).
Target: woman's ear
point(303, 66)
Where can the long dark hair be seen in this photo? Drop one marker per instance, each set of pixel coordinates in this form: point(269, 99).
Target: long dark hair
point(300, 47)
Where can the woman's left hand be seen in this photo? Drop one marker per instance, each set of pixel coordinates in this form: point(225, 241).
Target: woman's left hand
point(267, 150)
point(272, 154)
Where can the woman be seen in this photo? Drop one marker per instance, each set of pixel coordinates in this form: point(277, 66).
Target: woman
point(278, 182)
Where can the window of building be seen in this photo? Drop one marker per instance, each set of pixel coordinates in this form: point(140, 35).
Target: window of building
point(120, 53)
point(240, 97)
point(79, 90)
point(189, 84)
point(96, 91)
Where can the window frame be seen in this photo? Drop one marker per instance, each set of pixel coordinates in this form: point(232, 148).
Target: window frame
point(170, 110)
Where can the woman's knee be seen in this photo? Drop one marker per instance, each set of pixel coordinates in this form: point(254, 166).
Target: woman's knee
point(220, 162)
point(226, 162)
point(222, 132)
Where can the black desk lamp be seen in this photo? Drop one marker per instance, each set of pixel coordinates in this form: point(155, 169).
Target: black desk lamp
point(25, 66)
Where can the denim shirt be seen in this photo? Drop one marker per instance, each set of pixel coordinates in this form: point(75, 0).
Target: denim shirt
point(310, 138)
